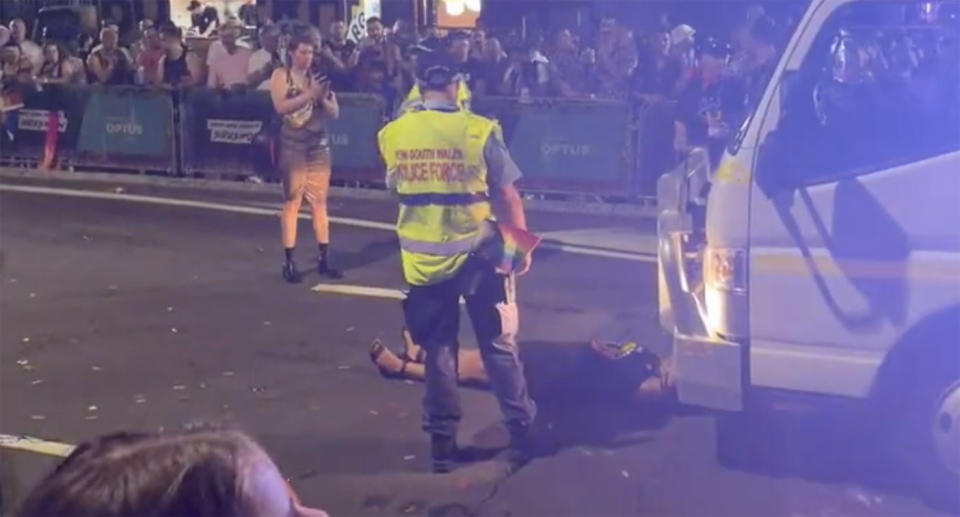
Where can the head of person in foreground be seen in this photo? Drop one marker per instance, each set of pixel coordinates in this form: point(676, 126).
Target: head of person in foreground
point(192, 473)
point(437, 76)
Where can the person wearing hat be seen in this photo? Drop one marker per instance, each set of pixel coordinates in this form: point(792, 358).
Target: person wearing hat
point(453, 175)
point(454, 44)
point(710, 102)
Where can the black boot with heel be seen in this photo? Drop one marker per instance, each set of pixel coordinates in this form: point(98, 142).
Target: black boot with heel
point(323, 263)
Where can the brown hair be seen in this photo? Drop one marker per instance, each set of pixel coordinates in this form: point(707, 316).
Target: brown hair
point(194, 473)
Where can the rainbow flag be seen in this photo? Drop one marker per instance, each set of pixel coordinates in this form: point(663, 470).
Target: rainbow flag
point(517, 244)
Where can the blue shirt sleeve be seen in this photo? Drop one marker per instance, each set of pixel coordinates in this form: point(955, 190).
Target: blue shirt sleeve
point(501, 169)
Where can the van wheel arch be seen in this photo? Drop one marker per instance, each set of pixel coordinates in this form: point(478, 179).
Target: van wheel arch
point(907, 394)
point(932, 343)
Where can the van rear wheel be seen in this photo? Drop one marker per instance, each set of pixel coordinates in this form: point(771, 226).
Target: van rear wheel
point(931, 436)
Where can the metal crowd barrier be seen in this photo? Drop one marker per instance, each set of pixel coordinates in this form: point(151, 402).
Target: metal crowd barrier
point(566, 147)
point(116, 127)
point(232, 134)
point(224, 133)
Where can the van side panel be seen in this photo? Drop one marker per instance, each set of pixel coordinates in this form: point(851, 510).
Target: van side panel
point(840, 271)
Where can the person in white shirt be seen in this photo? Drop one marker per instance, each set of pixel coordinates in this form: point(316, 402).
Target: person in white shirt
point(228, 67)
point(266, 59)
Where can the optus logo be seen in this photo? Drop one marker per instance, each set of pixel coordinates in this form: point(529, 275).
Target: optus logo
point(564, 149)
point(124, 128)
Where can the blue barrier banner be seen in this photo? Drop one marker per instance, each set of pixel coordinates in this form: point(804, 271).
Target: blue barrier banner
point(26, 128)
point(229, 133)
point(127, 123)
point(567, 146)
point(353, 136)
point(570, 144)
point(226, 133)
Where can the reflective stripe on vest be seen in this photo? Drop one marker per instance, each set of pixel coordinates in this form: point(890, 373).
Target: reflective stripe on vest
point(442, 198)
point(442, 249)
point(448, 248)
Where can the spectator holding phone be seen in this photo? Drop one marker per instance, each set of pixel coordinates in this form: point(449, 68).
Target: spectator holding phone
point(108, 62)
point(59, 67)
point(181, 66)
point(570, 68)
point(342, 54)
point(266, 59)
point(15, 71)
point(377, 47)
point(616, 57)
point(304, 102)
point(29, 49)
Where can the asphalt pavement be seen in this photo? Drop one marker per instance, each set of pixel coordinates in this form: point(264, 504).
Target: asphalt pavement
point(123, 314)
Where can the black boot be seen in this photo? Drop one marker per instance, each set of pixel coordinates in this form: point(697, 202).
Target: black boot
point(323, 263)
point(443, 451)
point(290, 273)
point(520, 452)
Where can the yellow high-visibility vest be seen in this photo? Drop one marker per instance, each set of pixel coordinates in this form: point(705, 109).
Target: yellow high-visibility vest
point(435, 159)
point(415, 99)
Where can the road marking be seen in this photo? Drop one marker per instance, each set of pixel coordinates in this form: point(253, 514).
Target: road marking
point(360, 290)
point(556, 244)
point(582, 250)
point(245, 209)
point(30, 444)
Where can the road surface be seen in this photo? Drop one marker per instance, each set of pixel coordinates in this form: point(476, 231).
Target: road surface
point(127, 314)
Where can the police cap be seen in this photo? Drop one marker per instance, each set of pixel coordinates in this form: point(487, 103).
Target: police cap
point(436, 70)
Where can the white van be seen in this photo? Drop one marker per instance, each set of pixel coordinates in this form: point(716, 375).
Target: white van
point(828, 261)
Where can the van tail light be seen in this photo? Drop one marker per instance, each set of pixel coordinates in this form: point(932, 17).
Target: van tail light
point(725, 269)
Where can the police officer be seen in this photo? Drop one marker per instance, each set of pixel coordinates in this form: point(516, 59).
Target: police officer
point(453, 175)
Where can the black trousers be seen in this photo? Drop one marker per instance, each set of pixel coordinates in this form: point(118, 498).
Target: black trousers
point(432, 315)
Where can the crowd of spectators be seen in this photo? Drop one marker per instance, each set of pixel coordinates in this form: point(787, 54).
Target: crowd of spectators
point(710, 75)
point(613, 62)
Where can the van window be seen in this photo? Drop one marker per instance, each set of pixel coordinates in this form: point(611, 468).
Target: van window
point(880, 87)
